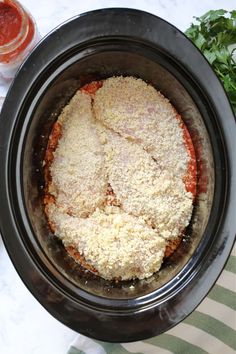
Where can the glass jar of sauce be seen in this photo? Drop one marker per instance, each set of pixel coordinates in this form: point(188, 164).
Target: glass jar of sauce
point(18, 35)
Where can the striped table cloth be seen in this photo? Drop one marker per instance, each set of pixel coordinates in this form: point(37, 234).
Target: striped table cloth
point(211, 328)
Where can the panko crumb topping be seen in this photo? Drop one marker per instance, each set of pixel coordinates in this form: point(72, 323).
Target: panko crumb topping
point(117, 178)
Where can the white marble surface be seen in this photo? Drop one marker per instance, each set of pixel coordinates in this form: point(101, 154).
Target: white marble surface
point(25, 327)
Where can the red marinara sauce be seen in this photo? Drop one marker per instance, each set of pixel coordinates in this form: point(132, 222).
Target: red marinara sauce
point(92, 87)
point(10, 23)
point(18, 34)
point(191, 177)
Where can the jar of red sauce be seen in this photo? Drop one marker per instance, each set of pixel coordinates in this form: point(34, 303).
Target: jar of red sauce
point(18, 35)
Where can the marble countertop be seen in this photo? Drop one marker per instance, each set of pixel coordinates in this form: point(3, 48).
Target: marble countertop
point(25, 326)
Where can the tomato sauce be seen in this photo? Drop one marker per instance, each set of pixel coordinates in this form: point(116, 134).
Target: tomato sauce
point(51, 147)
point(17, 30)
point(190, 179)
point(92, 87)
point(10, 23)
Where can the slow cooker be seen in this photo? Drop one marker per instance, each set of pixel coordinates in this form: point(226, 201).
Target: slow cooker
point(94, 46)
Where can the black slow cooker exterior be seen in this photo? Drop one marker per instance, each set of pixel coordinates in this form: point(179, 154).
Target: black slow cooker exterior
point(91, 46)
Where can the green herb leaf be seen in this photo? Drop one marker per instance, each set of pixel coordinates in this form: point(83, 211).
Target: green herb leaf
point(214, 34)
point(210, 56)
point(212, 15)
point(200, 40)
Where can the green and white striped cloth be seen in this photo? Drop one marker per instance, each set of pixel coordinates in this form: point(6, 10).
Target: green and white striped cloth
point(211, 328)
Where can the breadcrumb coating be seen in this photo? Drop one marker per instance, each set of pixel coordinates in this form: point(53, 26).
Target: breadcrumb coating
point(117, 195)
